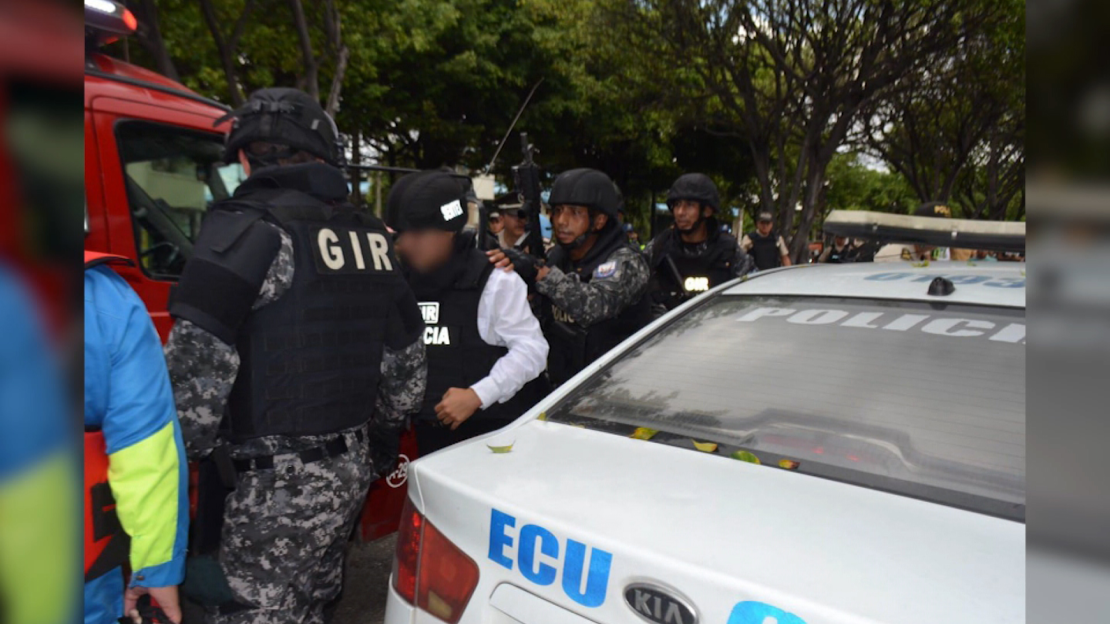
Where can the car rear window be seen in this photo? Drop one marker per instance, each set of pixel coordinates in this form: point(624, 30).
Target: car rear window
point(921, 399)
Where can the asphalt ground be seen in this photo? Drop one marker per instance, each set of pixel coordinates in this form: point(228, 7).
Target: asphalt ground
point(365, 582)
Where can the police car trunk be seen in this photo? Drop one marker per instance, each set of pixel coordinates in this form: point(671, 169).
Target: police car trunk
point(818, 444)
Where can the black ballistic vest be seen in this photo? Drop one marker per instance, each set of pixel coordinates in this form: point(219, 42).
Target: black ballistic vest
point(573, 346)
point(697, 273)
point(765, 250)
point(840, 257)
point(311, 360)
point(457, 355)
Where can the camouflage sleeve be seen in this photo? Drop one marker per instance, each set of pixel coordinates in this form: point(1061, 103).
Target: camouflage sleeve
point(203, 368)
point(404, 377)
point(615, 285)
point(280, 274)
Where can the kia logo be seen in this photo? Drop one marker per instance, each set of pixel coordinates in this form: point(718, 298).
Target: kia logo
point(657, 605)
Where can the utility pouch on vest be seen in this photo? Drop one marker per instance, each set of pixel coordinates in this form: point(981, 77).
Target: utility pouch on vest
point(215, 480)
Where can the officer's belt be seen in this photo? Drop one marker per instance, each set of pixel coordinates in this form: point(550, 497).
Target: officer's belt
point(333, 448)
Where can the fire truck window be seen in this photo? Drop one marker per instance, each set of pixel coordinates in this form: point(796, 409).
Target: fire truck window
point(172, 176)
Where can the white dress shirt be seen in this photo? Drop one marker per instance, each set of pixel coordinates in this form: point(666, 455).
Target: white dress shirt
point(506, 320)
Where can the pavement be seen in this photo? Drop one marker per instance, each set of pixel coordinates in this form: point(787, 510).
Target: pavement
point(366, 582)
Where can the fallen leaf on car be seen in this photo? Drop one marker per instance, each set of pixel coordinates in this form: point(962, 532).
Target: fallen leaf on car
point(705, 447)
point(500, 449)
point(746, 456)
point(643, 433)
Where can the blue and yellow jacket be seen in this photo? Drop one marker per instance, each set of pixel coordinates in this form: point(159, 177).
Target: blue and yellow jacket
point(128, 398)
point(39, 512)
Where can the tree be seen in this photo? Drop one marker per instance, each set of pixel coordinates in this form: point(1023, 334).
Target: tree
point(941, 125)
point(192, 38)
point(150, 37)
point(228, 46)
point(855, 184)
point(792, 77)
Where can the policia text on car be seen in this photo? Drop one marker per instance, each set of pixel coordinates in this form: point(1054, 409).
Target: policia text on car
point(296, 354)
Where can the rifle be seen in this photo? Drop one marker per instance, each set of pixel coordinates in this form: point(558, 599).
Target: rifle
point(526, 177)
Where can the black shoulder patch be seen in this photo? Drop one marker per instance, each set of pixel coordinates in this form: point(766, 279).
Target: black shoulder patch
point(223, 278)
point(222, 228)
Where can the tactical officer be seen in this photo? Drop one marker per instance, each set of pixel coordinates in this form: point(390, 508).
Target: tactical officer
point(839, 252)
point(913, 252)
point(296, 341)
point(695, 254)
point(594, 282)
point(486, 351)
point(765, 245)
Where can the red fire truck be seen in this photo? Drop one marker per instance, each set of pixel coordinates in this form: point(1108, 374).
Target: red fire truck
point(153, 166)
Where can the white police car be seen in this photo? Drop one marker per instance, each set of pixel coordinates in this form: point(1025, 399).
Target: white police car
point(812, 445)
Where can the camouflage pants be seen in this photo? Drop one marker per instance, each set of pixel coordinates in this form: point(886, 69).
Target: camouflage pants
point(284, 535)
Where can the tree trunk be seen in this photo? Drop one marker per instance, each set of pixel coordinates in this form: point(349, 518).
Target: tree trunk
point(150, 36)
point(337, 81)
point(333, 29)
point(815, 180)
point(309, 80)
point(227, 48)
point(356, 173)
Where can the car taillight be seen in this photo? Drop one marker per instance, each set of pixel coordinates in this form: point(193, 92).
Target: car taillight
point(408, 552)
point(429, 571)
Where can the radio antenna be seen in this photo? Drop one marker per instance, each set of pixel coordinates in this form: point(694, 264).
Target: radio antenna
point(500, 145)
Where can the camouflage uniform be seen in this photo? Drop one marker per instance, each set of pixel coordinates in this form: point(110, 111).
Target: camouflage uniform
point(285, 528)
point(605, 295)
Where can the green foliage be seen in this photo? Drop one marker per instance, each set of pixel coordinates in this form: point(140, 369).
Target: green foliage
point(437, 82)
point(641, 89)
point(856, 185)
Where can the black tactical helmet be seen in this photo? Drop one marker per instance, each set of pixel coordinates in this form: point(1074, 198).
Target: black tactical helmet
point(697, 187)
point(285, 117)
point(587, 187)
point(428, 200)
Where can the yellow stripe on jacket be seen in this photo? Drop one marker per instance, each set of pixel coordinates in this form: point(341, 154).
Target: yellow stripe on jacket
point(144, 478)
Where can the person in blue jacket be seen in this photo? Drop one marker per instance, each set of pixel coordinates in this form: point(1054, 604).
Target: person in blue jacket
point(129, 402)
point(38, 489)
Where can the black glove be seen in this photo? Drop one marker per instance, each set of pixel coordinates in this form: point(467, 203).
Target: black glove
point(525, 265)
point(385, 446)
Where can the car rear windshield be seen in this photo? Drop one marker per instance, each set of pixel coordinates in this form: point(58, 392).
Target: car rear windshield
point(921, 399)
